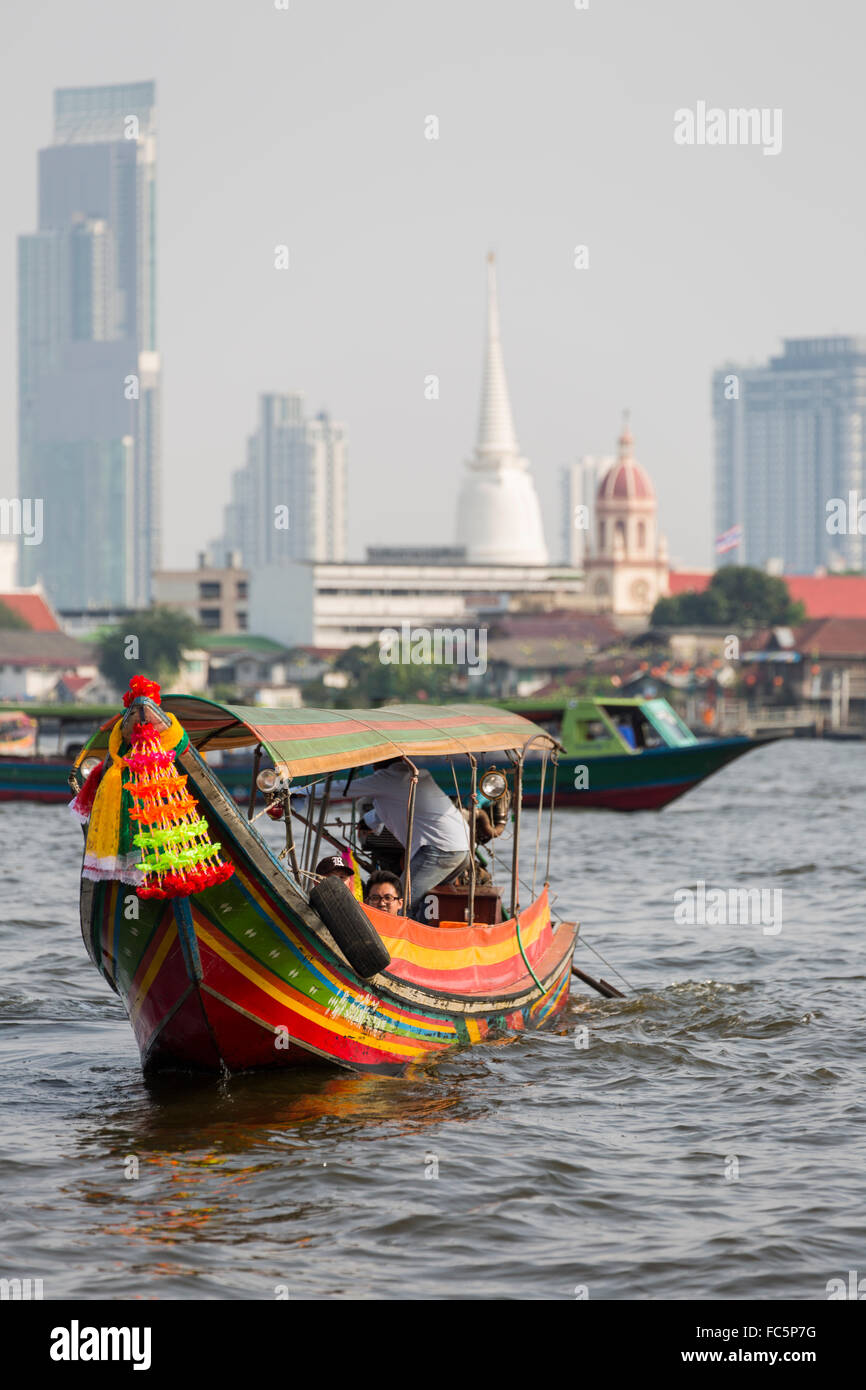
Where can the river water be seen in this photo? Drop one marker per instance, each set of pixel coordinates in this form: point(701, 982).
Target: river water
point(702, 1138)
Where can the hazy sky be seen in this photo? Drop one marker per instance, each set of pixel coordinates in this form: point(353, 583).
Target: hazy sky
point(306, 126)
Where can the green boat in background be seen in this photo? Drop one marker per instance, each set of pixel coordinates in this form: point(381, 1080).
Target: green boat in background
point(618, 754)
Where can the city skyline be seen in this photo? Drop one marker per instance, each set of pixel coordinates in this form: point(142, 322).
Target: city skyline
point(89, 369)
point(386, 228)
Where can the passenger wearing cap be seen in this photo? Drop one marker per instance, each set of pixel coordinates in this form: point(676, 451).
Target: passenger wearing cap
point(334, 865)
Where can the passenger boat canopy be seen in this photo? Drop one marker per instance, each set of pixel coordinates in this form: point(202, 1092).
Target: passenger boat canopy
point(305, 744)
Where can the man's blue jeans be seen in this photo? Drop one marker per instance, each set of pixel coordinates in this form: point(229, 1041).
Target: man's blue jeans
point(428, 867)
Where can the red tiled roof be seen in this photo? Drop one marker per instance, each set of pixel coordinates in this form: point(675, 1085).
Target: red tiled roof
point(830, 595)
point(824, 595)
point(33, 608)
point(564, 623)
point(688, 581)
point(21, 648)
point(832, 637)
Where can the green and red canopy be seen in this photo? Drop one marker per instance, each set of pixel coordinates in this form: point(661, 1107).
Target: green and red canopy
point(311, 742)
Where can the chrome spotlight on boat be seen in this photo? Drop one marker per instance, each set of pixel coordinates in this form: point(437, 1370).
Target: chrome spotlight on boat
point(493, 784)
point(268, 781)
point(87, 767)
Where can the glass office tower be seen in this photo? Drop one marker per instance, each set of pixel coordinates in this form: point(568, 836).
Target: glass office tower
point(89, 370)
point(788, 440)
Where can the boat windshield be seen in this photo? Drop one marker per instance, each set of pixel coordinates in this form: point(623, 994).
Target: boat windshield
point(548, 720)
point(667, 722)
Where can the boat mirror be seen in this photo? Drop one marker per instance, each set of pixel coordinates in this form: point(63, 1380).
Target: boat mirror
point(267, 780)
point(88, 765)
point(493, 784)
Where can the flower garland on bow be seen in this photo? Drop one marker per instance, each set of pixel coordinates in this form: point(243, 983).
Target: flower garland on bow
point(144, 827)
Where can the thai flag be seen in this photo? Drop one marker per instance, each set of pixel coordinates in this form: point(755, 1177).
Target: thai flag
point(729, 540)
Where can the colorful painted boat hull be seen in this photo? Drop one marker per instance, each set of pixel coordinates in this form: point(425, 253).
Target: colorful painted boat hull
point(246, 975)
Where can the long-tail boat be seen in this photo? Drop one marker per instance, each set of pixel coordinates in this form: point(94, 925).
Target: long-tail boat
point(28, 774)
point(618, 754)
point(224, 955)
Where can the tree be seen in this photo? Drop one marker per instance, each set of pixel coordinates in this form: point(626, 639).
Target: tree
point(148, 643)
point(374, 681)
point(737, 596)
point(9, 618)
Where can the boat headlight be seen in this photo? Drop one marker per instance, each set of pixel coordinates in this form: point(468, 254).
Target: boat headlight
point(493, 785)
point(88, 765)
point(267, 781)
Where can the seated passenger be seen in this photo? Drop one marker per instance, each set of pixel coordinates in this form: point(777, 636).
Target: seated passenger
point(440, 843)
point(627, 732)
point(335, 865)
point(384, 892)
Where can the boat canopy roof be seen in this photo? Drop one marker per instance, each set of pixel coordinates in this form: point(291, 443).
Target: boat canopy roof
point(311, 742)
point(73, 714)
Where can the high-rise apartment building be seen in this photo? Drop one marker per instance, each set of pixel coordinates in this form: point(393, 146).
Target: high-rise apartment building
point(580, 480)
point(288, 502)
point(89, 370)
point(789, 439)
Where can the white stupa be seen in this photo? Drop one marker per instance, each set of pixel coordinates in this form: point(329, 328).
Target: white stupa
point(498, 516)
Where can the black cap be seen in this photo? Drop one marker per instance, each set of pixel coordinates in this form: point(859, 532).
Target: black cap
point(334, 862)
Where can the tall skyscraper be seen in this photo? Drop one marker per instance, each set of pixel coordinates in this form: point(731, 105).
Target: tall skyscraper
point(498, 516)
point(288, 502)
point(89, 370)
point(789, 439)
point(580, 480)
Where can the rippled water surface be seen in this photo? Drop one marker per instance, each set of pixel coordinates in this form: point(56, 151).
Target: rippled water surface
point(705, 1142)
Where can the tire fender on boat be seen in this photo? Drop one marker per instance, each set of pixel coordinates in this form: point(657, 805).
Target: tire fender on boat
point(350, 927)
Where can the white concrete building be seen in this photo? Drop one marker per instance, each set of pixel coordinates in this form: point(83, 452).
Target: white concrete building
point(343, 605)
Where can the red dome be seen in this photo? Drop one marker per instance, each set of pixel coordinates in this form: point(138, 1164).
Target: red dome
point(625, 481)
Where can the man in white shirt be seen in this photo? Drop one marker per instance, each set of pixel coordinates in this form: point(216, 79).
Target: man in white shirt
point(440, 837)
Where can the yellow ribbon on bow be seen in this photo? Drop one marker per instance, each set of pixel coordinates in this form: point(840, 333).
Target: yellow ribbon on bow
point(102, 857)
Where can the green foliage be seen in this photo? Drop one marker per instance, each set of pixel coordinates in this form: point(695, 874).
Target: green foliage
point(373, 682)
point(148, 643)
point(8, 618)
point(737, 596)
point(226, 694)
